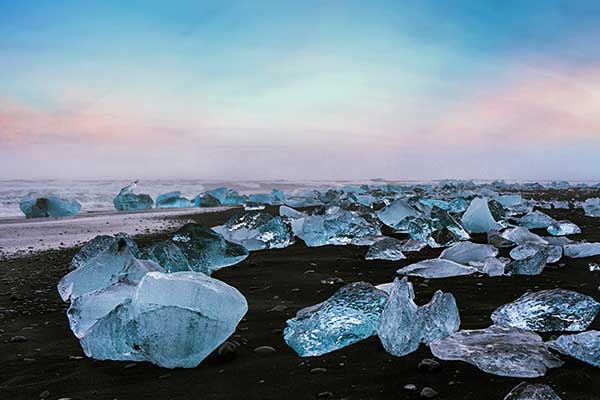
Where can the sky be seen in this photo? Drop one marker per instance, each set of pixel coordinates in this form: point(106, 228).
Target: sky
point(412, 89)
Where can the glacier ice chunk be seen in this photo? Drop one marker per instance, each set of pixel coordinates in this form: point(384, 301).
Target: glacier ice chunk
point(99, 244)
point(436, 268)
point(563, 228)
point(349, 316)
point(290, 212)
point(522, 235)
point(386, 249)
point(583, 346)
point(172, 320)
point(582, 250)
point(206, 250)
point(532, 391)
point(498, 350)
point(591, 207)
point(548, 310)
point(257, 231)
point(535, 220)
point(467, 252)
point(126, 200)
point(172, 200)
point(478, 218)
point(38, 206)
point(531, 265)
point(167, 255)
point(526, 250)
point(396, 212)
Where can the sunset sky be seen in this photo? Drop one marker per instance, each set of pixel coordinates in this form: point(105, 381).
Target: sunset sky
point(300, 89)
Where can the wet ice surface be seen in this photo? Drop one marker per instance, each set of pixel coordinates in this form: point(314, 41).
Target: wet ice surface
point(583, 346)
point(532, 391)
point(18, 235)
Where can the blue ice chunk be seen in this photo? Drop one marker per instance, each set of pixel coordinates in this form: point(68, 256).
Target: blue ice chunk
point(478, 218)
point(37, 206)
point(397, 211)
point(257, 231)
point(532, 391)
point(469, 252)
point(436, 268)
point(99, 244)
point(219, 197)
point(289, 212)
point(529, 265)
point(172, 200)
point(522, 235)
point(583, 346)
point(172, 320)
point(386, 249)
point(349, 316)
point(206, 250)
point(498, 350)
point(167, 255)
point(548, 310)
point(591, 207)
point(563, 228)
point(535, 220)
point(126, 200)
point(582, 250)
point(526, 250)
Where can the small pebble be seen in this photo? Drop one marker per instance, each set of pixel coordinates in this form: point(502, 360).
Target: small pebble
point(428, 393)
point(264, 350)
point(318, 371)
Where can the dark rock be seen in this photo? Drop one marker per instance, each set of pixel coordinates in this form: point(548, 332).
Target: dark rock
point(265, 350)
point(429, 365)
point(428, 393)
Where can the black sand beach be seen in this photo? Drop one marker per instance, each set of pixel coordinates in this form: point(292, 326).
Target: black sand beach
point(49, 363)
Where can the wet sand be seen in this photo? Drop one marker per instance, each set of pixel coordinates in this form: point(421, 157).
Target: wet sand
point(51, 359)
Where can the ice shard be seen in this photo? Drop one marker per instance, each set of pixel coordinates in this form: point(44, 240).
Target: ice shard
point(350, 315)
point(563, 228)
point(167, 255)
point(478, 218)
point(498, 350)
point(290, 212)
point(468, 252)
point(116, 264)
point(257, 230)
point(591, 207)
point(396, 212)
point(172, 320)
point(172, 200)
point(99, 244)
point(436, 268)
point(226, 196)
point(531, 265)
point(37, 206)
point(548, 310)
point(526, 250)
point(583, 346)
point(206, 250)
point(386, 249)
point(126, 200)
point(493, 266)
point(413, 245)
point(522, 235)
point(581, 250)
point(336, 227)
point(535, 220)
point(532, 391)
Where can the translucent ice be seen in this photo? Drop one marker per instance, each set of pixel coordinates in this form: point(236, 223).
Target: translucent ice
point(522, 235)
point(116, 264)
point(497, 240)
point(206, 250)
point(562, 228)
point(531, 265)
point(592, 207)
point(581, 250)
point(172, 200)
point(467, 252)
point(350, 315)
point(478, 218)
point(498, 350)
point(529, 249)
point(548, 310)
point(99, 244)
point(493, 266)
point(289, 212)
point(257, 230)
point(510, 200)
point(126, 200)
point(172, 320)
point(226, 196)
point(532, 391)
point(386, 249)
point(436, 268)
point(536, 219)
point(336, 227)
point(167, 255)
point(583, 346)
point(396, 212)
point(37, 206)
point(403, 325)
point(413, 245)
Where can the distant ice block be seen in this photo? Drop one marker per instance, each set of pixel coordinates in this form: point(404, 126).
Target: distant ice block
point(206, 250)
point(532, 391)
point(257, 230)
point(168, 255)
point(583, 346)
point(478, 218)
point(99, 244)
point(563, 228)
point(226, 196)
point(172, 320)
point(535, 220)
point(386, 249)
point(591, 207)
point(172, 200)
point(403, 325)
point(548, 310)
point(350, 315)
point(581, 250)
point(498, 350)
point(116, 264)
point(274, 198)
point(336, 227)
point(468, 252)
point(436, 268)
point(522, 235)
point(126, 200)
point(38, 206)
point(526, 250)
point(396, 212)
point(289, 212)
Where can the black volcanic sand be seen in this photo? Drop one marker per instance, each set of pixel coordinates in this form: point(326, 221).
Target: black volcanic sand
point(50, 364)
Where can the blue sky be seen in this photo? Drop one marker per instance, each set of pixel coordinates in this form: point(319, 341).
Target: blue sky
point(311, 89)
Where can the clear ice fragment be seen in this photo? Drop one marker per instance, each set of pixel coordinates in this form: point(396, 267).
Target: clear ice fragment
point(436, 268)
